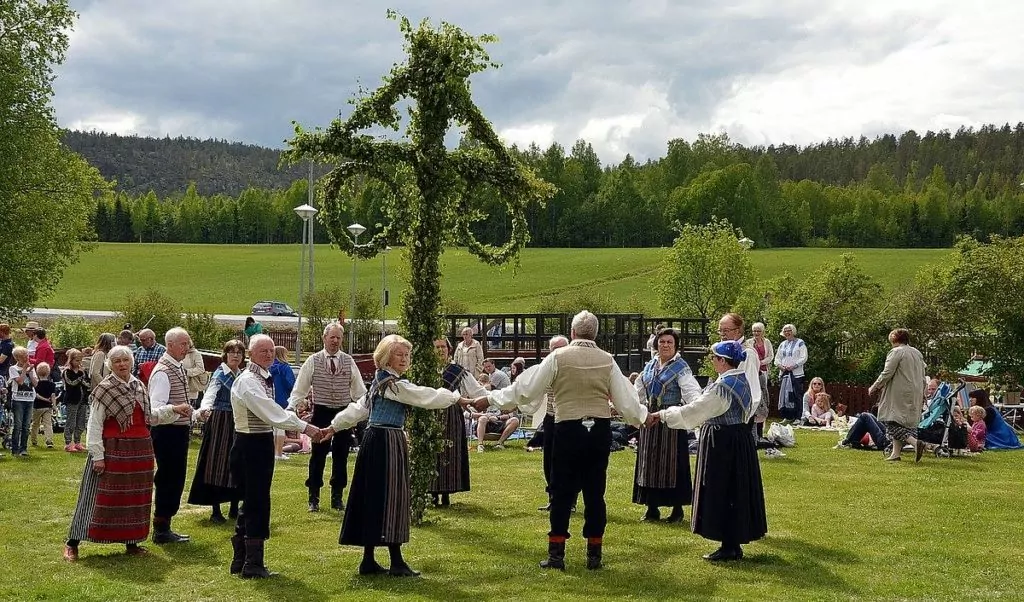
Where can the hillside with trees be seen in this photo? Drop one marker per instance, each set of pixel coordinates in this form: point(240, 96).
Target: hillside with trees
point(894, 191)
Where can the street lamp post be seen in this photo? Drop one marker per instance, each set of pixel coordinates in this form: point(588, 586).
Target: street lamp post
point(355, 230)
point(306, 213)
point(384, 292)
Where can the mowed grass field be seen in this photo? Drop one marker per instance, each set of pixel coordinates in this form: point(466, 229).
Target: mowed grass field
point(843, 525)
point(230, 278)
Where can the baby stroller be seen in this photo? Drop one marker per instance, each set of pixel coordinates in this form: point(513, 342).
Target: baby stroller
point(937, 426)
point(6, 416)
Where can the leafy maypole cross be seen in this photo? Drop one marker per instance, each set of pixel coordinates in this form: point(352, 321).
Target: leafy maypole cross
point(429, 190)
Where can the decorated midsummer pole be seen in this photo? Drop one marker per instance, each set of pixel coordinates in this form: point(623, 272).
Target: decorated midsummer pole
point(429, 203)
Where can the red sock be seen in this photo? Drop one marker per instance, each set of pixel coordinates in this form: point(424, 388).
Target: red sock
point(594, 541)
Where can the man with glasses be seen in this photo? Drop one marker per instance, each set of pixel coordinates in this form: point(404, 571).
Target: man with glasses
point(730, 328)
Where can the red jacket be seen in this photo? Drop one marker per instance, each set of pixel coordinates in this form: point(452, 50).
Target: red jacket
point(44, 353)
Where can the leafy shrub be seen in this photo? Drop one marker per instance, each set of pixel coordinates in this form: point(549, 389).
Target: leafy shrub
point(207, 333)
point(71, 332)
point(160, 311)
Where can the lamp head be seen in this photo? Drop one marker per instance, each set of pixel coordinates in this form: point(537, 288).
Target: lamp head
point(356, 229)
point(306, 212)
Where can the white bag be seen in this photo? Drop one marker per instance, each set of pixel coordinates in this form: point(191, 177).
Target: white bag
point(781, 434)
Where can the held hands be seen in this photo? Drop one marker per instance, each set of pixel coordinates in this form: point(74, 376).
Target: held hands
point(183, 409)
point(313, 433)
point(653, 419)
point(326, 434)
point(98, 466)
point(633, 377)
point(480, 404)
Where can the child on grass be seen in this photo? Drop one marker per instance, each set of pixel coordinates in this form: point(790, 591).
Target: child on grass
point(821, 411)
point(42, 409)
point(976, 436)
point(76, 394)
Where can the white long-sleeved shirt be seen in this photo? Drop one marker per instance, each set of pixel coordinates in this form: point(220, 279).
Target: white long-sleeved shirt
point(249, 395)
point(699, 411)
point(304, 381)
point(212, 388)
point(160, 386)
point(403, 391)
point(529, 389)
point(97, 416)
point(688, 387)
point(470, 387)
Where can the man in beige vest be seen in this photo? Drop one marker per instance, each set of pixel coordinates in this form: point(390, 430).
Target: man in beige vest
point(334, 379)
point(583, 380)
point(168, 385)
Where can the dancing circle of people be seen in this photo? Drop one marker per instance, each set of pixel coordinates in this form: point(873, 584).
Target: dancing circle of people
point(138, 441)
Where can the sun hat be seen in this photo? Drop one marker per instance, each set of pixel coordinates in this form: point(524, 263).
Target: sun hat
point(31, 325)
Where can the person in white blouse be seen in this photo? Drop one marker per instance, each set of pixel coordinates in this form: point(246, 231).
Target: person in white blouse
point(765, 353)
point(255, 414)
point(790, 359)
point(584, 379)
point(378, 509)
point(728, 504)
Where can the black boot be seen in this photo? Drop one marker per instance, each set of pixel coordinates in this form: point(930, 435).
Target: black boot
point(254, 567)
point(593, 553)
point(162, 532)
point(445, 500)
point(314, 499)
point(676, 516)
point(238, 545)
point(336, 495)
point(216, 517)
point(652, 514)
point(369, 564)
point(556, 556)
point(233, 510)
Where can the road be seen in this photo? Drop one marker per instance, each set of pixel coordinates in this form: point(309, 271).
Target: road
point(95, 315)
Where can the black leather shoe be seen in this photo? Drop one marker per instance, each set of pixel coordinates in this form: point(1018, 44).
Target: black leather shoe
point(919, 451)
point(314, 506)
point(218, 519)
point(675, 517)
point(403, 571)
point(165, 537)
point(366, 568)
point(723, 555)
point(651, 516)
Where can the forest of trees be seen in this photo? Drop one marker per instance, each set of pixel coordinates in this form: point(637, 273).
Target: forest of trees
point(905, 191)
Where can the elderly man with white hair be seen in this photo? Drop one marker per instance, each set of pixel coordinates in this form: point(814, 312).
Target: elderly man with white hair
point(252, 455)
point(148, 350)
point(333, 378)
point(583, 379)
point(168, 386)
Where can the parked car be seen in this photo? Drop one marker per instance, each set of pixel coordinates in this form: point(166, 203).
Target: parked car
point(272, 308)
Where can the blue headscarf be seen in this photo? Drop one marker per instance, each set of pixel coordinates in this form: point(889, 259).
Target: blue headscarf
point(730, 350)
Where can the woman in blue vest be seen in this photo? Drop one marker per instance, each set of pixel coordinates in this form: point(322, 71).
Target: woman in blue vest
point(662, 474)
point(212, 484)
point(379, 500)
point(728, 501)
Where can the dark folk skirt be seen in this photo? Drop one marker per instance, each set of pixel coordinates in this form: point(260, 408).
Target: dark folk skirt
point(662, 474)
point(115, 507)
point(453, 461)
point(728, 501)
point(377, 513)
point(212, 483)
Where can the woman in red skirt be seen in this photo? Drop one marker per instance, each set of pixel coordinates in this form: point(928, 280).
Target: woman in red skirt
point(117, 484)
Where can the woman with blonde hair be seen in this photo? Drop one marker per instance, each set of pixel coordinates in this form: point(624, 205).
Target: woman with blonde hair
point(817, 386)
point(377, 513)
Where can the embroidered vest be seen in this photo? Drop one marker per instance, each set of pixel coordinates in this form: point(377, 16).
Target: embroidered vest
point(331, 390)
point(662, 385)
point(736, 389)
point(179, 385)
point(582, 386)
point(384, 411)
point(223, 399)
point(254, 422)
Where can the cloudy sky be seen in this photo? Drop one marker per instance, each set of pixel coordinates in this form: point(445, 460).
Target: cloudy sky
point(626, 75)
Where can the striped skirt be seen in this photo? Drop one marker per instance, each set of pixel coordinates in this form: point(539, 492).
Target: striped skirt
point(728, 498)
point(212, 483)
point(453, 461)
point(662, 474)
point(115, 507)
point(378, 502)
point(897, 431)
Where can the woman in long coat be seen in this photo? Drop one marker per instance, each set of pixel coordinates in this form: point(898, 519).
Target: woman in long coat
point(902, 383)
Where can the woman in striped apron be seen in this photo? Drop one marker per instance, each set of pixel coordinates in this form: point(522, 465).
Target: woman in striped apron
point(212, 484)
point(728, 500)
point(379, 500)
point(662, 475)
point(117, 485)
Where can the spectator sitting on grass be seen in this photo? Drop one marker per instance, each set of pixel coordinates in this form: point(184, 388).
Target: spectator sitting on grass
point(497, 422)
point(976, 436)
point(821, 411)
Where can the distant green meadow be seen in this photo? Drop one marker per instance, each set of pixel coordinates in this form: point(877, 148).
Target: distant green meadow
point(230, 278)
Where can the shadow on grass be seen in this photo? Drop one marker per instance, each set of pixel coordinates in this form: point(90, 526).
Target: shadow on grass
point(283, 587)
point(150, 568)
point(195, 553)
point(799, 559)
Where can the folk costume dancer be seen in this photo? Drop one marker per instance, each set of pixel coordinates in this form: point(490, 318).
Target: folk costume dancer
point(168, 385)
point(556, 342)
point(662, 475)
point(255, 415)
point(728, 501)
point(334, 379)
point(453, 460)
point(117, 484)
point(379, 501)
point(212, 484)
point(584, 378)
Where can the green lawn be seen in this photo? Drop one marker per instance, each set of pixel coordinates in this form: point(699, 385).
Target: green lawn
point(230, 278)
point(843, 525)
